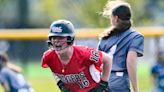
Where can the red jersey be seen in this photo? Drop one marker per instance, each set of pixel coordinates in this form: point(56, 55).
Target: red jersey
point(76, 75)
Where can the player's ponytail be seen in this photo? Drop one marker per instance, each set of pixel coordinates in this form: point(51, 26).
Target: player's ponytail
point(120, 9)
point(4, 62)
point(3, 59)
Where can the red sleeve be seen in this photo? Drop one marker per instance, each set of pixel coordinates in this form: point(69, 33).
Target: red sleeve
point(45, 59)
point(95, 57)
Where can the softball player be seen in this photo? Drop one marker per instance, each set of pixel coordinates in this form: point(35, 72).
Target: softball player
point(124, 44)
point(11, 79)
point(77, 68)
point(157, 71)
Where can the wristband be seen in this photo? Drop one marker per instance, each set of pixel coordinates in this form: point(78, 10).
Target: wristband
point(62, 87)
point(103, 84)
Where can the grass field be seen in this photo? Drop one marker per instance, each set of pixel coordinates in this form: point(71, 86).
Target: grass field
point(42, 79)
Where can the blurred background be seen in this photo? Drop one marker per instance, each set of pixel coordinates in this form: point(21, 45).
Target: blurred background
point(37, 15)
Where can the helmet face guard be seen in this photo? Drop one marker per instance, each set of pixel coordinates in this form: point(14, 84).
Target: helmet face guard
point(70, 40)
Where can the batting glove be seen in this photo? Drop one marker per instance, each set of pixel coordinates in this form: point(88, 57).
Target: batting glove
point(62, 87)
point(103, 87)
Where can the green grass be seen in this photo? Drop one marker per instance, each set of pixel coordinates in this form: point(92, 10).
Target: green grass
point(144, 77)
point(42, 79)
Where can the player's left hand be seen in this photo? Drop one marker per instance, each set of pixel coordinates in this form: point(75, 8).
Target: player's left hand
point(103, 87)
point(62, 87)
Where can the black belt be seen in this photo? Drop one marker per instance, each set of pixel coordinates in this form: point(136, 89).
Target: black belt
point(125, 71)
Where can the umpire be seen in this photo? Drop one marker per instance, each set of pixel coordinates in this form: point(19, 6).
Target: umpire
point(124, 43)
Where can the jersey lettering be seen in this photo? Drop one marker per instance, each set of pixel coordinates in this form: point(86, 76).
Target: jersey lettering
point(79, 79)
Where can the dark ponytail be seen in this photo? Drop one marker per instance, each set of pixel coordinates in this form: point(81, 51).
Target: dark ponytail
point(123, 11)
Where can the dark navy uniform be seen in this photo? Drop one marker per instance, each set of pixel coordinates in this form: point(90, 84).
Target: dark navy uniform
point(119, 45)
point(15, 80)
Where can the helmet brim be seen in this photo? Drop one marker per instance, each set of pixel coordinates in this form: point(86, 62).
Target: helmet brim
point(65, 35)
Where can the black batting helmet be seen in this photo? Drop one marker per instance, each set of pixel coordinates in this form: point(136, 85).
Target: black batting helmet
point(62, 28)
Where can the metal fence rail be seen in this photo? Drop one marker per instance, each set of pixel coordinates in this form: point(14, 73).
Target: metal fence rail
point(41, 34)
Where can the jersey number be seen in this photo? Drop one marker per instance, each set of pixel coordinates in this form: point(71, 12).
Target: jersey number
point(94, 56)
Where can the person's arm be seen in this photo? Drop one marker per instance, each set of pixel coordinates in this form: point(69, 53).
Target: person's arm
point(132, 69)
point(4, 83)
point(5, 87)
point(60, 84)
point(153, 79)
point(107, 66)
point(106, 70)
point(14, 67)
